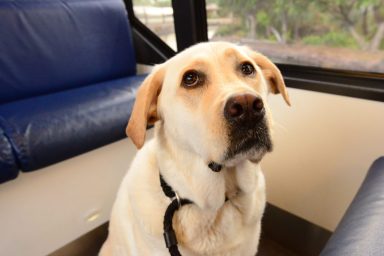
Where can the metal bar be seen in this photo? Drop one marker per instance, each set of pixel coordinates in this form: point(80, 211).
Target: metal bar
point(190, 18)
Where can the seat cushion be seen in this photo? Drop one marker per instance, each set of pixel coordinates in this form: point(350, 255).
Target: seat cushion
point(51, 45)
point(8, 166)
point(47, 129)
point(361, 230)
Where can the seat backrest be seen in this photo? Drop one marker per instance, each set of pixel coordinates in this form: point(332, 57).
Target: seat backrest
point(53, 45)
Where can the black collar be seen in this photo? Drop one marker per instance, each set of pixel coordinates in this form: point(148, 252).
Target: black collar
point(167, 189)
point(177, 202)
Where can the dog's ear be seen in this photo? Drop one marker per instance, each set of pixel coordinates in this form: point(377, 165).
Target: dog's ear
point(145, 108)
point(271, 73)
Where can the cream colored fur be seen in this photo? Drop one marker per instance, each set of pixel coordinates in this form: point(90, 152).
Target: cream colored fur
point(191, 131)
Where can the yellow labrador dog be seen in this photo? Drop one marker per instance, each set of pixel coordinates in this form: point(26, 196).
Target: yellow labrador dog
point(212, 128)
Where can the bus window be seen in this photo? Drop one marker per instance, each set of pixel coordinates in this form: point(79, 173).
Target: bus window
point(345, 35)
point(157, 15)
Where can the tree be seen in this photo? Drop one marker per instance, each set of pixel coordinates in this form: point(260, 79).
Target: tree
point(364, 19)
point(246, 10)
point(288, 21)
point(280, 18)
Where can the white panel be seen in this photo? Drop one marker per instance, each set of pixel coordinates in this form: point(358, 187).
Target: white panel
point(43, 210)
point(324, 145)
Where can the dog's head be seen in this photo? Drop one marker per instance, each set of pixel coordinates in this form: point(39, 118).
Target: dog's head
point(211, 100)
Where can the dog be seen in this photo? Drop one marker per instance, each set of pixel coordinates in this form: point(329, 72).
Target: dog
point(208, 105)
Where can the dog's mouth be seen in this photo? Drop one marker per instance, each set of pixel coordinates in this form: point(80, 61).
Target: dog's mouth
point(251, 142)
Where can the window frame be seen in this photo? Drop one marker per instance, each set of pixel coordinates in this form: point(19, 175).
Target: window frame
point(363, 85)
point(191, 16)
point(149, 48)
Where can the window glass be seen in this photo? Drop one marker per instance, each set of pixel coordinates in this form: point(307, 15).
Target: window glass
point(157, 15)
point(340, 34)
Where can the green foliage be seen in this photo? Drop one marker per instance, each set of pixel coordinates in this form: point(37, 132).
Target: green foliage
point(334, 39)
point(237, 30)
point(339, 23)
point(212, 1)
point(263, 18)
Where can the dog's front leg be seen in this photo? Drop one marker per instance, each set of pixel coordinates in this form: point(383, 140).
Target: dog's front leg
point(250, 197)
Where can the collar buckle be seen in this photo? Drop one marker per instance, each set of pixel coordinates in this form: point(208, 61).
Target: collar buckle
point(177, 198)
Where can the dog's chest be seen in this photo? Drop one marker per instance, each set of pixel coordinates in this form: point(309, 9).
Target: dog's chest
point(231, 187)
point(205, 231)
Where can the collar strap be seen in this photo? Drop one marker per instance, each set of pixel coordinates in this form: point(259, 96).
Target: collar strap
point(177, 202)
point(167, 189)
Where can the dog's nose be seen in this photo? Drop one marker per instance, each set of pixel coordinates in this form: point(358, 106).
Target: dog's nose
point(244, 107)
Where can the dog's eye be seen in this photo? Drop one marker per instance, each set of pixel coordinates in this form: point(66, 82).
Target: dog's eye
point(247, 69)
point(191, 79)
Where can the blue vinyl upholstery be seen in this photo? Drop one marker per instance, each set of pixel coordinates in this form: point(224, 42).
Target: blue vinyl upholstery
point(361, 230)
point(8, 166)
point(67, 80)
point(61, 125)
point(52, 45)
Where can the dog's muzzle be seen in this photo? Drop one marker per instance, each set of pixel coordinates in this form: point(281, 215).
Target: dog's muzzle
point(247, 127)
